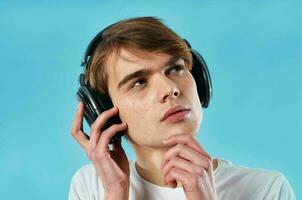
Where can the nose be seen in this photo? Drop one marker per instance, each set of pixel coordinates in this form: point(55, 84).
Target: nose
point(167, 90)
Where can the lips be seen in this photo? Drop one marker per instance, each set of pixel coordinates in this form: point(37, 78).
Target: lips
point(174, 110)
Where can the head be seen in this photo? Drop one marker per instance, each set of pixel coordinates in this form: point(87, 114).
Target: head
point(164, 60)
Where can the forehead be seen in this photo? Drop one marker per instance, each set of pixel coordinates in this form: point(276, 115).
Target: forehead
point(121, 63)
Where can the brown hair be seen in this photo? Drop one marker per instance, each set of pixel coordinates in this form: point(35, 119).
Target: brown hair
point(136, 34)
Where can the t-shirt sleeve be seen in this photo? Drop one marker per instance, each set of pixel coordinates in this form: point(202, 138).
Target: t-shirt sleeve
point(78, 190)
point(285, 192)
point(73, 190)
point(280, 189)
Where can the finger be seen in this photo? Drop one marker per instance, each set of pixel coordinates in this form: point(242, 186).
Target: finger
point(188, 140)
point(187, 153)
point(189, 182)
point(108, 134)
point(77, 127)
point(175, 175)
point(185, 165)
point(98, 124)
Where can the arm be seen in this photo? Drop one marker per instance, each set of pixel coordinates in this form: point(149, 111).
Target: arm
point(112, 166)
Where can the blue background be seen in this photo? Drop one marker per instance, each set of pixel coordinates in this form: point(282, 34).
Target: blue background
point(253, 51)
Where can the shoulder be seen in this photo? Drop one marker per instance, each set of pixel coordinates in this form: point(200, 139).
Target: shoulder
point(246, 172)
point(85, 183)
point(268, 182)
point(85, 172)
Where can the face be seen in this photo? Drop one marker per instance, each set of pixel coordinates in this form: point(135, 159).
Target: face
point(143, 99)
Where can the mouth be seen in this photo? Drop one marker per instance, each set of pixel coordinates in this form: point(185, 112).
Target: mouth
point(176, 114)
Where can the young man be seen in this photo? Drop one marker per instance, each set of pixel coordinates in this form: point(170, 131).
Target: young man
point(145, 68)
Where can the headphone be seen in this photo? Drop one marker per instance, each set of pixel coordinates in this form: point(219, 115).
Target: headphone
point(96, 103)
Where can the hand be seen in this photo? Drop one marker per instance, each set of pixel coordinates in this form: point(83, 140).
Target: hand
point(111, 165)
point(188, 163)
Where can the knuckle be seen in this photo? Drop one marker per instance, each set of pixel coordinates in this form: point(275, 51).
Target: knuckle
point(171, 162)
point(105, 113)
point(208, 163)
point(199, 171)
point(192, 182)
point(109, 112)
point(124, 179)
point(179, 147)
point(90, 154)
point(195, 180)
point(165, 158)
point(115, 127)
point(172, 171)
point(106, 133)
point(203, 172)
point(93, 126)
point(176, 159)
point(97, 155)
point(188, 137)
point(74, 133)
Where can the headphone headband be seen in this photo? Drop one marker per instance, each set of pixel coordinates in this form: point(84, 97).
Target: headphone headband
point(93, 45)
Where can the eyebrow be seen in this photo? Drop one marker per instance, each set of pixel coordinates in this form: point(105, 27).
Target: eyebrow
point(144, 72)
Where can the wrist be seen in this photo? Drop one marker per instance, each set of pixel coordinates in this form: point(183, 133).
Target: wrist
point(118, 192)
point(116, 195)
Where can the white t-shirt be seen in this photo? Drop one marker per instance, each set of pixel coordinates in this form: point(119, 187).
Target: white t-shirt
point(232, 182)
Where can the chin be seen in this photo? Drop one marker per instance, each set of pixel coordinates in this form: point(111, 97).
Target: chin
point(189, 127)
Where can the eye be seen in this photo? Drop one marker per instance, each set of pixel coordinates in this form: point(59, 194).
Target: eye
point(177, 68)
point(137, 83)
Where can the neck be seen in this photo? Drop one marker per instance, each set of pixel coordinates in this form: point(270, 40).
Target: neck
point(148, 161)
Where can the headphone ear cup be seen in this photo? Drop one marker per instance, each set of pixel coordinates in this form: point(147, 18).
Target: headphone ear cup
point(202, 78)
point(96, 103)
point(90, 112)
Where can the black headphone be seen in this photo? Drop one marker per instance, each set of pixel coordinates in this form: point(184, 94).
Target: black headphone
point(96, 103)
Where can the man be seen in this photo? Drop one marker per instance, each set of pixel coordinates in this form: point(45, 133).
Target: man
point(145, 68)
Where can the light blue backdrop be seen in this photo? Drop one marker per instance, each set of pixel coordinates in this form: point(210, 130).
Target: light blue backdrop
point(253, 51)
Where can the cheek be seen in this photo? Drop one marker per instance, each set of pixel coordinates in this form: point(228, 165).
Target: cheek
point(190, 91)
point(189, 88)
point(137, 119)
point(133, 113)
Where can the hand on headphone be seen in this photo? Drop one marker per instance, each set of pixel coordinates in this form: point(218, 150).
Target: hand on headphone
point(112, 166)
